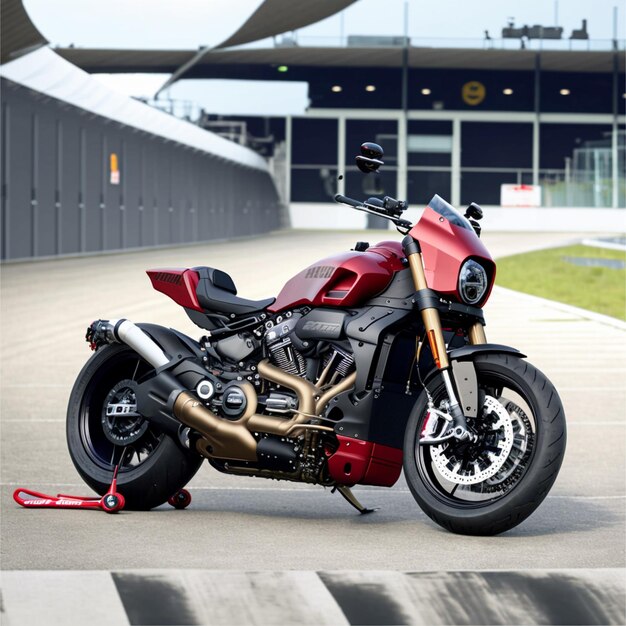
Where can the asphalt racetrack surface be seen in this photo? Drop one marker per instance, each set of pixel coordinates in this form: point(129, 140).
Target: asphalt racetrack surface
point(247, 524)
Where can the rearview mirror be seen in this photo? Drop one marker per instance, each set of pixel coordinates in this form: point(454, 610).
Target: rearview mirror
point(370, 158)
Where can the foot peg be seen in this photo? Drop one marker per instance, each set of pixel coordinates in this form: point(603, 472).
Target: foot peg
point(346, 492)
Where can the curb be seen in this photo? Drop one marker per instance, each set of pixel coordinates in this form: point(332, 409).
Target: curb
point(567, 308)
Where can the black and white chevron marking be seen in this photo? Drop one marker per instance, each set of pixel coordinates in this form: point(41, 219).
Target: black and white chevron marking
point(228, 598)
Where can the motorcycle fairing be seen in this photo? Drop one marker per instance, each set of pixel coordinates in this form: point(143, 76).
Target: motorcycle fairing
point(445, 247)
point(343, 280)
point(365, 463)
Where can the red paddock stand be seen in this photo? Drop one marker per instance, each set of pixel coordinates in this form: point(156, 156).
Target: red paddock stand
point(110, 502)
point(180, 500)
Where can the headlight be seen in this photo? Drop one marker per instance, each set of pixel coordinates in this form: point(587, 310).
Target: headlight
point(472, 282)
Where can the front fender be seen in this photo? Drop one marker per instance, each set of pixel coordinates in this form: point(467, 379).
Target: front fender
point(468, 352)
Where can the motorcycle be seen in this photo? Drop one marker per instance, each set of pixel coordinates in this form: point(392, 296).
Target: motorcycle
point(368, 362)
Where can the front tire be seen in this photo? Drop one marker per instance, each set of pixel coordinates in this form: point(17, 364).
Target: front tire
point(443, 478)
point(153, 466)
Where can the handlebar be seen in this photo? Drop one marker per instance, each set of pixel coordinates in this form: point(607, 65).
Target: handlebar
point(388, 208)
point(346, 200)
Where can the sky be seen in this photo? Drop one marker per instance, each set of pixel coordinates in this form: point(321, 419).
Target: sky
point(188, 24)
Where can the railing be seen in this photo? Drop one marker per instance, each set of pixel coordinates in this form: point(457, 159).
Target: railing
point(183, 109)
point(294, 39)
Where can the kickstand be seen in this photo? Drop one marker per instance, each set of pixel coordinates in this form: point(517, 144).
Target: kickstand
point(346, 492)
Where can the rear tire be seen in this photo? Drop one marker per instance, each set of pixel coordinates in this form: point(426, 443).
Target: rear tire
point(154, 465)
point(503, 507)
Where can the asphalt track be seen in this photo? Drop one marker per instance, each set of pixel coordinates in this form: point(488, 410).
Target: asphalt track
point(250, 525)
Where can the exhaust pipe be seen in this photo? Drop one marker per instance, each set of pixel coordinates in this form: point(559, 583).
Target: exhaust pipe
point(124, 331)
point(225, 439)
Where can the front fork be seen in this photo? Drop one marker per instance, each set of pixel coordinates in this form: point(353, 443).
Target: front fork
point(432, 325)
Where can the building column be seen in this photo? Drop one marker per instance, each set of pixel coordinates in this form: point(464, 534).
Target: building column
point(401, 182)
point(455, 182)
point(536, 140)
point(614, 134)
point(537, 120)
point(341, 155)
point(288, 160)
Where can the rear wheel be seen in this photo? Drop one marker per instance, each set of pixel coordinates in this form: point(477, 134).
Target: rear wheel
point(104, 429)
point(493, 483)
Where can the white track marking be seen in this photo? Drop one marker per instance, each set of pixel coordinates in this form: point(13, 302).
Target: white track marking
point(61, 598)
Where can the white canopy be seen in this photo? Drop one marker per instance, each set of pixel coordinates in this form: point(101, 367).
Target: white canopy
point(46, 72)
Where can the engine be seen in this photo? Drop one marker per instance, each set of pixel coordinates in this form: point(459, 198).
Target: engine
point(304, 343)
point(280, 346)
point(298, 346)
point(242, 383)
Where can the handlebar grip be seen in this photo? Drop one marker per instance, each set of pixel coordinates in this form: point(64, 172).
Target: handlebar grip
point(346, 200)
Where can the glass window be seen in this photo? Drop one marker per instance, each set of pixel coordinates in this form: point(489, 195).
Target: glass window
point(484, 187)
point(493, 154)
point(383, 182)
point(559, 141)
point(429, 143)
point(569, 92)
point(314, 141)
point(383, 132)
point(423, 185)
point(313, 184)
point(577, 165)
point(485, 144)
point(362, 186)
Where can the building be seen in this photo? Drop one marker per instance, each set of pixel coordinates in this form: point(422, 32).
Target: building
point(457, 121)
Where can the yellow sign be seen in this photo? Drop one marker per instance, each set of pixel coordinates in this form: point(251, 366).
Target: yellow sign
point(473, 93)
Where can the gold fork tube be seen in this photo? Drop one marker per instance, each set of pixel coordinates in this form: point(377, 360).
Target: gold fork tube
point(477, 334)
point(430, 316)
point(417, 271)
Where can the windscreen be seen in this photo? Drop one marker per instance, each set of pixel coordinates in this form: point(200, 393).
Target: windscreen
point(439, 205)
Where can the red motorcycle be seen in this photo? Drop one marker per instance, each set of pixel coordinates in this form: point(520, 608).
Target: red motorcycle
point(366, 363)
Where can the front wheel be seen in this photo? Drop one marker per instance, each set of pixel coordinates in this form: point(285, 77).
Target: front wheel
point(104, 429)
point(492, 484)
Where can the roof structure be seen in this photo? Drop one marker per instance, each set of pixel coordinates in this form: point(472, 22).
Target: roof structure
point(47, 73)
point(98, 60)
point(17, 33)
point(271, 17)
point(279, 16)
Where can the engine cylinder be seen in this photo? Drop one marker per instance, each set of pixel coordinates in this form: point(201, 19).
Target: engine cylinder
point(284, 355)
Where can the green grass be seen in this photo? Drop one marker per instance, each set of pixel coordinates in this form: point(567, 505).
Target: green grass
point(547, 274)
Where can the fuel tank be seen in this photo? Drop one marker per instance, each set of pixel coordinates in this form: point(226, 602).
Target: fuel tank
point(343, 280)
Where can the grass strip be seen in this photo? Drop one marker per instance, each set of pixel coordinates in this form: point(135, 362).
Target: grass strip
point(549, 274)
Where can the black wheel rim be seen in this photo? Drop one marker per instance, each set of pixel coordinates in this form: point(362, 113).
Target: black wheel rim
point(518, 406)
point(138, 440)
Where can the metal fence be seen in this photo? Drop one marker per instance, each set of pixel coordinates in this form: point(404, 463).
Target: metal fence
point(60, 195)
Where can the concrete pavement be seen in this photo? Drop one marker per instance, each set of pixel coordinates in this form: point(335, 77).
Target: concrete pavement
point(249, 524)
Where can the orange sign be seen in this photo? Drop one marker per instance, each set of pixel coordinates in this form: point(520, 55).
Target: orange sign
point(114, 169)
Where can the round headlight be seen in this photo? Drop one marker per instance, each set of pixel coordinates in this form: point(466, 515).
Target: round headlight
point(472, 282)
